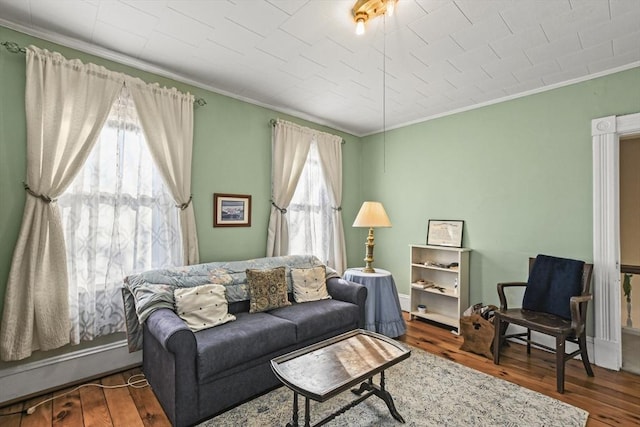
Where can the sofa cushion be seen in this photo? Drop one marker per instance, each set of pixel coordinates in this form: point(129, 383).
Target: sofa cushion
point(267, 289)
point(234, 343)
point(202, 307)
point(316, 318)
point(309, 284)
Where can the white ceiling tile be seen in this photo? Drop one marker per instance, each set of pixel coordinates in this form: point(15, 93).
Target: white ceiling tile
point(628, 43)
point(302, 67)
point(307, 24)
point(234, 37)
point(584, 57)
point(183, 28)
point(467, 78)
point(281, 45)
point(489, 96)
point(525, 15)
point(151, 7)
point(473, 58)
point(125, 17)
point(614, 62)
point(584, 14)
point(19, 12)
point(479, 10)
point(211, 13)
point(525, 86)
point(439, 23)
point(516, 43)
point(490, 28)
point(118, 40)
point(537, 71)
point(68, 18)
point(495, 84)
point(509, 64)
point(288, 6)
point(259, 16)
point(623, 7)
point(617, 27)
point(436, 71)
point(554, 49)
point(438, 50)
point(565, 75)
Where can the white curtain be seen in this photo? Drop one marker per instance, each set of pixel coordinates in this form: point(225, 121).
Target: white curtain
point(330, 151)
point(67, 103)
point(167, 120)
point(306, 216)
point(290, 147)
point(118, 218)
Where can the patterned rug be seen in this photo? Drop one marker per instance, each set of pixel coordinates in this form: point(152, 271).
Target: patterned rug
point(427, 391)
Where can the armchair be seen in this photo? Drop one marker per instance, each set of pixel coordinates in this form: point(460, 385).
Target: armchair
point(555, 303)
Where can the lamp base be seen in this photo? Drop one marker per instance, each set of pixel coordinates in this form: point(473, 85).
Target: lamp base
point(368, 259)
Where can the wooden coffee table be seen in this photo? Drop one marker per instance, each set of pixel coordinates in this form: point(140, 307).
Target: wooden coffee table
point(328, 368)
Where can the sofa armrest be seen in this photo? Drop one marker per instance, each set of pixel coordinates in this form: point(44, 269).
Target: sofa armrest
point(347, 291)
point(171, 332)
point(169, 363)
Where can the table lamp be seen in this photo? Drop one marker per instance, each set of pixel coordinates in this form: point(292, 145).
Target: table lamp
point(371, 214)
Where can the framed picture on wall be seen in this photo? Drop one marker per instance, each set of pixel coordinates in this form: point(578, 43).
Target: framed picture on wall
point(445, 233)
point(231, 210)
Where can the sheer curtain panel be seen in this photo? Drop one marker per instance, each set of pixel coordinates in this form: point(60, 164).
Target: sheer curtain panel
point(306, 216)
point(118, 218)
point(67, 103)
point(166, 116)
point(330, 151)
point(289, 151)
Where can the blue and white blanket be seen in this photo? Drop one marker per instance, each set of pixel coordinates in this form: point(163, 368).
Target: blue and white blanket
point(149, 291)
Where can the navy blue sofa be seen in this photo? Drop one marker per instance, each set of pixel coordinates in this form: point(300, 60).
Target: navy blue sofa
point(198, 375)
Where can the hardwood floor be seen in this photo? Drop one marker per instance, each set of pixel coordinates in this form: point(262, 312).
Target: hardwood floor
point(611, 398)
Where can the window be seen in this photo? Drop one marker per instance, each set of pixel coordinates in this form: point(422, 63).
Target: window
point(118, 218)
point(310, 212)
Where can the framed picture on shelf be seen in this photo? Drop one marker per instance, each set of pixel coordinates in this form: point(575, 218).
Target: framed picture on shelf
point(445, 233)
point(231, 210)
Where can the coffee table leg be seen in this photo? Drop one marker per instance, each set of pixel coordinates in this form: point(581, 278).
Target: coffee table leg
point(307, 414)
point(294, 421)
point(382, 393)
point(386, 396)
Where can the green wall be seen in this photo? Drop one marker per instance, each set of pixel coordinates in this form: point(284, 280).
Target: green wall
point(231, 154)
point(519, 174)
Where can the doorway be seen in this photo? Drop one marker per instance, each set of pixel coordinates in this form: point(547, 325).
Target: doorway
point(630, 252)
point(606, 133)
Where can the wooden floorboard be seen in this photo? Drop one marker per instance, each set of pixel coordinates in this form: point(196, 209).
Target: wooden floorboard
point(611, 398)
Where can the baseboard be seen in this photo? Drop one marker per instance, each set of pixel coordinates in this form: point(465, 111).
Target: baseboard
point(405, 302)
point(607, 354)
point(30, 379)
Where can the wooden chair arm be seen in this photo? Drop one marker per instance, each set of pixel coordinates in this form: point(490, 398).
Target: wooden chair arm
point(502, 296)
point(577, 322)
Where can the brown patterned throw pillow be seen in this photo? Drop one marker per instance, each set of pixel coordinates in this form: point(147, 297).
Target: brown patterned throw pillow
point(267, 289)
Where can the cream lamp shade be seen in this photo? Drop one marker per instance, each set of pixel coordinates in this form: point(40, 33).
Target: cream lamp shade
point(371, 214)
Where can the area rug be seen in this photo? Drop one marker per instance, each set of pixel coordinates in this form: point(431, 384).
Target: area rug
point(427, 391)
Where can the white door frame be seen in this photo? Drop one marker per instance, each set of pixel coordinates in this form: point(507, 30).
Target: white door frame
point(606, 133)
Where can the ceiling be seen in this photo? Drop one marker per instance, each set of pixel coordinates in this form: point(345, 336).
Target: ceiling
point(303, 57)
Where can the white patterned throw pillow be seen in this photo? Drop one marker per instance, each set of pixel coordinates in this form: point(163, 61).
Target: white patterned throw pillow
point(202, 307)
point(309, 284)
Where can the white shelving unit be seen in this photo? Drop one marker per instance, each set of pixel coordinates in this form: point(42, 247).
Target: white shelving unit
point(437, 284)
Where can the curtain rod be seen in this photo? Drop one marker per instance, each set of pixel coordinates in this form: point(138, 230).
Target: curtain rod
point(273, 122)
point(16, 48)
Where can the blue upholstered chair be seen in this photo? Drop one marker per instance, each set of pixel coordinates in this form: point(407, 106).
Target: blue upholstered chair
point(554, 303)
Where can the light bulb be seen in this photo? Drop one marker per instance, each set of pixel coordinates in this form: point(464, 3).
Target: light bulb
point(360, 26)
point(391, 7)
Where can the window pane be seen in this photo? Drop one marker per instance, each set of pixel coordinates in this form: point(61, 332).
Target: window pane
point(119, 218)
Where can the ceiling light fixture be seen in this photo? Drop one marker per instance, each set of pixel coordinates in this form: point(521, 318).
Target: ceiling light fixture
point(364, 10)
